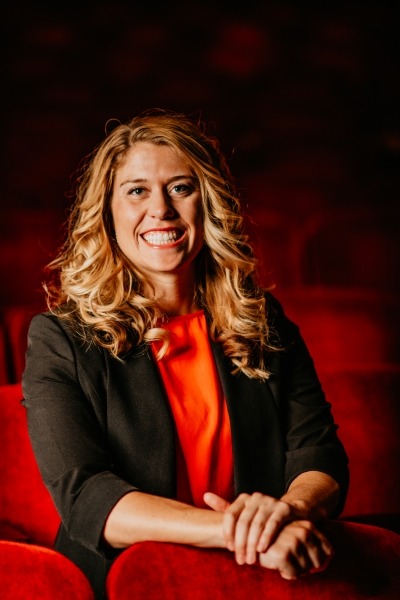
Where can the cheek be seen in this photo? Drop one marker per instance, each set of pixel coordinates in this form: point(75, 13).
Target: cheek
point(125, 218)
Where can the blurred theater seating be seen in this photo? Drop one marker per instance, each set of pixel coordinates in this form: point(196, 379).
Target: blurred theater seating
point(345, 325)
point(28, 238)
point(357, 245)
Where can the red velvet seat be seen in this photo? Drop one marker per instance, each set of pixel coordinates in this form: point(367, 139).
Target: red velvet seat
point(29, 569)
point(15, 321)
point(4, 378)
point(365, 565)
point(30, 572)
point(27, 511)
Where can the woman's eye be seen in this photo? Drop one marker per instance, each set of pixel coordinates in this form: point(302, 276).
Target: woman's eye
point(136, 191)
point(181, 188)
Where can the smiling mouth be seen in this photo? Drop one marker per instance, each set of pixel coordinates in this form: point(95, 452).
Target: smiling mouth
point(163, 237)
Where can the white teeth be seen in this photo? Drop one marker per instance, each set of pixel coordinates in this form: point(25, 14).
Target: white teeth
point(159, 238)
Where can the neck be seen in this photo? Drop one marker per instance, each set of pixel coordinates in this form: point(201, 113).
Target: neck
point(174, 295)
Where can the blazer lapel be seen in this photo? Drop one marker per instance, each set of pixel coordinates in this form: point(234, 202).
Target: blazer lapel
point(141, 415)
point(256, 432)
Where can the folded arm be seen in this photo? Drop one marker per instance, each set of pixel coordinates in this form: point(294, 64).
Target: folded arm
point(281, 531)
point(143, 517)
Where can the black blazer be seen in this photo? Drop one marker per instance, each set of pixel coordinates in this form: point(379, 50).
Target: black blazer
point(102, 427)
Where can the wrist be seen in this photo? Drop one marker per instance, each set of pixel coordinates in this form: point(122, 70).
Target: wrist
point(313, 495)
point(301, 508)
point(208, 528)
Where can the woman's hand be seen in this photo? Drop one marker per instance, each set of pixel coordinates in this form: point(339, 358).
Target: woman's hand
point(300, 548)
point(251, 522)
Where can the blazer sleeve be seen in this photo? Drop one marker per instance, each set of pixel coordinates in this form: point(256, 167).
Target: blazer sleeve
point(67, 427)
point(311, 435)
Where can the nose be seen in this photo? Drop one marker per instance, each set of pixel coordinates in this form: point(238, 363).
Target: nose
point(160, 206)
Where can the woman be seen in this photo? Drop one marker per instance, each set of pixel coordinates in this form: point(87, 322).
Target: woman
point(168, 396)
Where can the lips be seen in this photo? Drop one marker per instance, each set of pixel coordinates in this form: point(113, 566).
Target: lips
point(163, 237)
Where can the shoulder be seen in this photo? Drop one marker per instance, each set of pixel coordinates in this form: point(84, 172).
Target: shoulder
point(48, 330)
point(56, 354)
point(52, 322)
point(45, 321)
point(47, 324)
point(283, 331)
point(290, 356)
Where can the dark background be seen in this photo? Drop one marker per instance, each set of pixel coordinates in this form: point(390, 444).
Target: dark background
point(304, 97)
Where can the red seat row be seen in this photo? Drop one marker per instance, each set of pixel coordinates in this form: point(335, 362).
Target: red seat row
point(354, 246)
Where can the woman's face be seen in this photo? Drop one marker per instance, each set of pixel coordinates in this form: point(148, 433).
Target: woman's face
point(157, 212)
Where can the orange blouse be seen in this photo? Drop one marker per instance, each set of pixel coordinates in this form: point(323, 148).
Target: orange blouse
point(191, 381)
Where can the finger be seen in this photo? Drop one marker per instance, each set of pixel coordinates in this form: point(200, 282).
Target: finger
point(301, 561)
point(258, 527)
point(290, 571)
point(215, 502)
point(255, 531)
point(252, 519)
point(231, 516)
point(325, 544)
point(312, 550)
point(251, 524)
point(243, 526)
point(297, 550)
point(281, 514)
point(277, 558)
point(319, 556)
point(318, 547)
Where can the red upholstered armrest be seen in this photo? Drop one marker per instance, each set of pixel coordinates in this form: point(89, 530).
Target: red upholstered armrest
point(365, 565)
point(33, 572)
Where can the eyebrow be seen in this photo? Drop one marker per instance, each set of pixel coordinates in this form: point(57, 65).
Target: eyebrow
point(171, 180)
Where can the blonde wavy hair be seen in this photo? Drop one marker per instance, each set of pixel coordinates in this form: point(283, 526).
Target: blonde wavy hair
point(101, 293)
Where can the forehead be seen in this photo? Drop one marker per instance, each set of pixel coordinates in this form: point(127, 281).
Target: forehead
point(146, 159)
